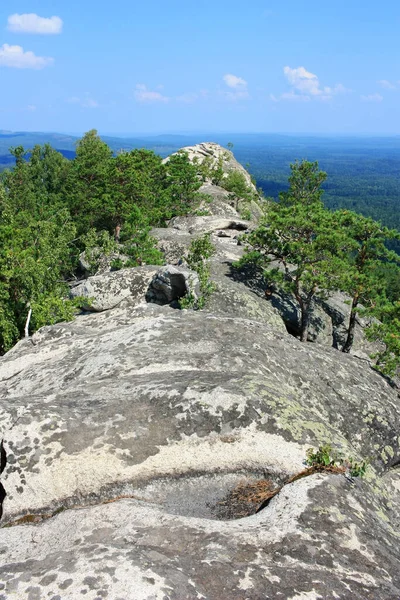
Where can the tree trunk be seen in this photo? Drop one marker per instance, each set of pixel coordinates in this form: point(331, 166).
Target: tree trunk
point(28, 318)
point(305, 321)
point(305, 310)
point(352, 323)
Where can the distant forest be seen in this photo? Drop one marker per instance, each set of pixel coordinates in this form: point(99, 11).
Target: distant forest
point(363, 172)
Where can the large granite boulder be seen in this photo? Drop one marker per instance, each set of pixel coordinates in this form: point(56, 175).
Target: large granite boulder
point(172, 283)
point(153, 430)
point(220, 202)
point(96, 262)
point(106, 291)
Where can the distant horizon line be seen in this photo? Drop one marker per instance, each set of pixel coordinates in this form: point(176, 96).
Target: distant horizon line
point(124, 135)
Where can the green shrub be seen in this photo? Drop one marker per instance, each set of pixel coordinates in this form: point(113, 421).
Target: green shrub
point(200, 251)
point(326, 457)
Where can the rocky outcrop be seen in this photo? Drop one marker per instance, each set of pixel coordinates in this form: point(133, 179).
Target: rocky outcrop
point(220, 201)
point(172, 283)
point(153, 420)
point(208, 224)
point(329, 321)
point(97, 263)
point(139, 442)
point(106, 291)
point(216, 154)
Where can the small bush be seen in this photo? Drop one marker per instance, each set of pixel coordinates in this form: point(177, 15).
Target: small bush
point(200, 251)
point(325, 456)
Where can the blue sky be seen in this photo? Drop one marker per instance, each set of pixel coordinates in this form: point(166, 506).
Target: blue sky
point(212, 65)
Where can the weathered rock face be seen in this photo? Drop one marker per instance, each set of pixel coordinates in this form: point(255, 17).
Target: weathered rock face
point(208, 224)
point(108, 290)
point(172, 283)
point(329, 321)
point(150, 418)
point(104, 261)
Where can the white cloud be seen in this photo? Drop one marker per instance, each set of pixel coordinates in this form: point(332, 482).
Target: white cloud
point(387, 85)
point(306, 86)
point(234, 82)
point(32, 23)
point(142, 94)
point(15, 57)
point(31, 107)
point(238, 85)
point(372, 98)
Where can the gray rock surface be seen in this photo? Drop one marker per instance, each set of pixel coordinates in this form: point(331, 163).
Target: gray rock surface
point(108, 290)
point(103, 261)
point(172, 283)
point(208, 224)
point(142, 420)
point(231, 297)
point(329, 321)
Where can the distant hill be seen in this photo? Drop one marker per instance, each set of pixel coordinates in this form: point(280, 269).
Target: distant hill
point(65, 144)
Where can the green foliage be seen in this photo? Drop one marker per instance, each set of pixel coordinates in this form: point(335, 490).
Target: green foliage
point(387, 332)
point(301, 236)
point(97, 245)
point(201, 250)
point(202, 212)
point(210, 169)
point(367, 254)
point(34, 259)
point(235, 182)
point(356, 469)
point(89, 192)
point(245, 214)
point(54, 307)
point(138, 244)
point(51, 209)
point(325, 456)
point(139, 179)
point(182, 185)
point(363, 173)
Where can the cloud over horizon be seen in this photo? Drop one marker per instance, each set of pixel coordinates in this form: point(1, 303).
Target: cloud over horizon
point(32, 23)
point(15, 57)
point(306, 86)
point(234, 82)
point(143, 94)
point(238, 85)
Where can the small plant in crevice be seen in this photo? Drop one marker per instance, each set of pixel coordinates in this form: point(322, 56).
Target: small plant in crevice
point(201, 249)
point(327, 458)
